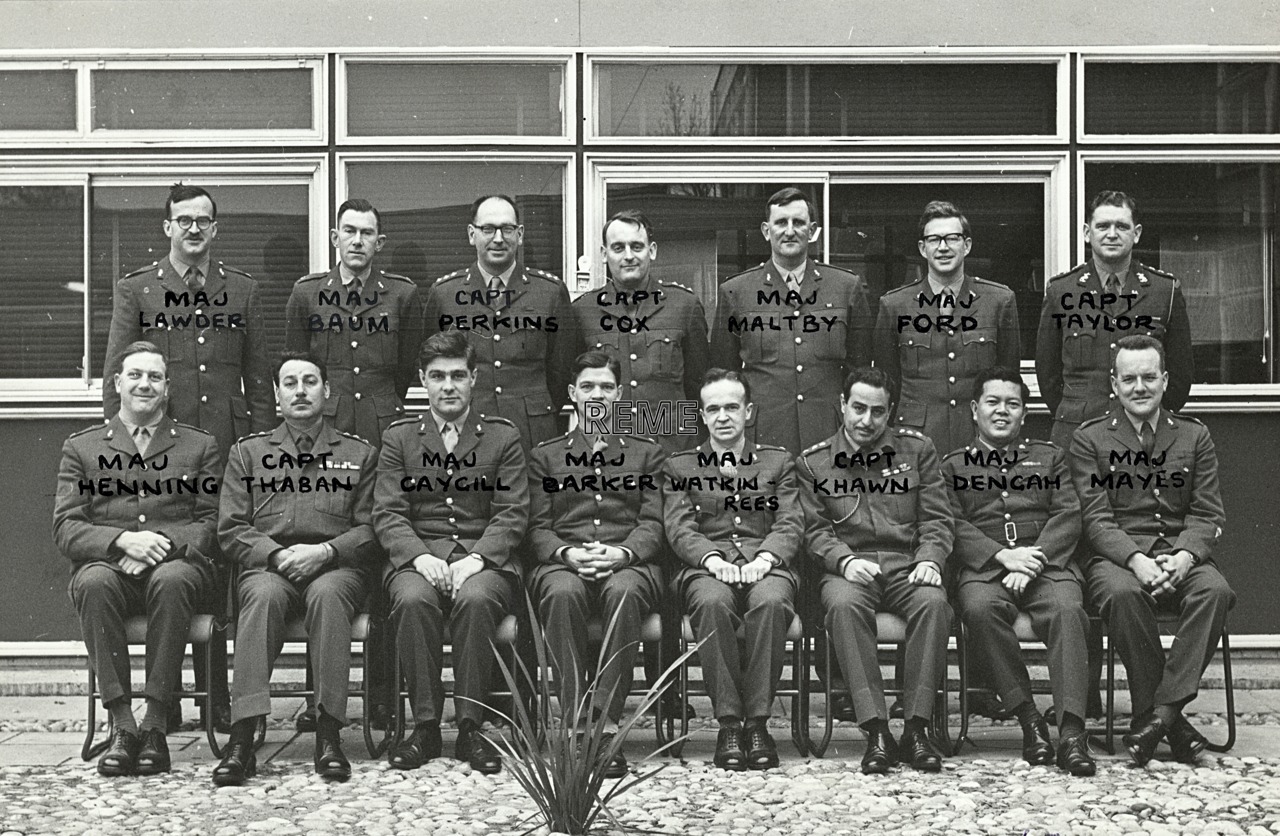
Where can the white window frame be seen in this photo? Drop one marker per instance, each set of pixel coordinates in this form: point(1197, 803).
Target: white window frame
point(46, 137)
point(1184, 55)
point(568, 96)
point(928, 55)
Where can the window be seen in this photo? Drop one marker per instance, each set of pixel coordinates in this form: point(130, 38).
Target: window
point(1181, 98)
point(37, 100)
point(199, 99)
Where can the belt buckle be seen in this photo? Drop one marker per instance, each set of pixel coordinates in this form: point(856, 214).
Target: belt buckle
point(1011, 532)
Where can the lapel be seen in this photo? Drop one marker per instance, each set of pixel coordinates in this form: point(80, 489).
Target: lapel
point(282, 438)
point(1123, 430)
point(168, 276)
point(215, 282)
point(165, 437)
point(118, 437)
point(1166, 430)
point(468, 435)
point(373, 289)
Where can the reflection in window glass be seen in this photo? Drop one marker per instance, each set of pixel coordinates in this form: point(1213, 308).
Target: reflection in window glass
point(43, 274)
point(262, 230)
point(1213, 226)
point(210, 100)
point(451, 99)
point(1181, 98)
point(728, 100)
point(37, 100)
point(426, 207)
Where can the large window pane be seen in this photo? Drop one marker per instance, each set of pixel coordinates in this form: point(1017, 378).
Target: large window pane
point(450, 99)
point(37, 100)
point(1181, 98)
point(836, 100)
point(210, 100)
point(43, 278)
point(426, 207)
point(262, 230)
point(1212, 225)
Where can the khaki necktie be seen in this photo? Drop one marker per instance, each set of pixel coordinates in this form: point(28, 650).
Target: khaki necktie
point(793, 284)
point(1113, 284)
point(305, 443)
point(142, 439)
point(449, 434)
point(1148, 438)
point(194, 280)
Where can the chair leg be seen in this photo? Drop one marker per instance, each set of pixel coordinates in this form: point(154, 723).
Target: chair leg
point(962, 666)
point(215, 655)
point(1229, 685)
point(659, 717)
point(1111, 695)
point(88, 750)
point(799, 705)
point(375, 750)
point(820, 749)
point(678, 748)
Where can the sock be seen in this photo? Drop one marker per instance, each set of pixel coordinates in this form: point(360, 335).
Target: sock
point(327, 724)
point(121, 711)
point(245, 730)
point(915, 725)
point(157, 716)
point(1027, 714)
point(1166, 714)
point(427, 725)
point(874, 726)
point(1071, 725)
point(730, 722)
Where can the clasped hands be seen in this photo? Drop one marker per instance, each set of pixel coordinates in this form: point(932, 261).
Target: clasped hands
point(863, 571)
point(447, 577)
point(302, 562)
point(142, 550)
point(1022, 564)
point(1159, 575)
point(731, 573)
point(595, 561)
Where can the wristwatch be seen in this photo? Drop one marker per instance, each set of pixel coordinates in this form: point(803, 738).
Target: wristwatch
point(773, 559)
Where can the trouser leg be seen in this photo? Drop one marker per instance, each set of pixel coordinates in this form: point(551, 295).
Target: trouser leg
point(479, 606)
point(173, 591)
point(851, 621)
point(1056, 609)
point(331, 602)
point(770, 608)
point(928, 617)
point(103, 598)
point(629, 595)
point(1203, 600)
point(1130, 614)
point(266, 599)
point(564, 604)
point(418, 620)
point(988, 610)
point(713, 615)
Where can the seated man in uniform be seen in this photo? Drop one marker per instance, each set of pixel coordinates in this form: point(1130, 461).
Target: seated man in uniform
point(878, 523)
point(296, 517)
point(1017, 525)
point(733, 517)
point(450, 507)
point(1148, 485)
point(136, 514)
point(597, 547)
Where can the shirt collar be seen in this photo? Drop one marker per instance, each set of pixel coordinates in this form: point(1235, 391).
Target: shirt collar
point(939, 289)
point(457, 422)
point(505, 275)
point(132, 428)
point(799, 271)
point(737, 450)
point(1104, 271)
point(348, 277)
point(1137, 425)
point(313, 431)
point(183, 266)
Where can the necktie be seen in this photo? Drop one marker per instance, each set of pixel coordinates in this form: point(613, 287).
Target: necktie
point(450, 437)
point(1148, 437)
point(1113, 284)
point(142, 439)
point(601, 443)
point(793, 283)
point(305, 443)
point(194, 280)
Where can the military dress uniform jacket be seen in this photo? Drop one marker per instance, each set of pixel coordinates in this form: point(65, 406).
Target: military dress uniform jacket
point(172, 490)
point(268, 514)
point(368, 341)
point(214, 344)
point(934, 369)
point(475, 499)
point(764, 515)
point(1129, 504)
point(524, 358)
point(795, 375)
point(895, 514)
point(1074, 356)
point(566, 509)
point(1035, 505)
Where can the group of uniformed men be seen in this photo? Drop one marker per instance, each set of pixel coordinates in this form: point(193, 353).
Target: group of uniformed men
point(814, 467)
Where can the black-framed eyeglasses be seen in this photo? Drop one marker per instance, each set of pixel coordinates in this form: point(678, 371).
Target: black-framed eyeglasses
point(487, 230)
point(202, 223)
point(955, 239)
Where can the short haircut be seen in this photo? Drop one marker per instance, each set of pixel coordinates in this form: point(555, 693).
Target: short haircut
point(1004, 373)
point(358, 204)
point(878, 378)
point(595, 360)
point(1108, 197)
point(1139, 342)
point(716, 374)
point(143, 347)
point(447, 345)
point(790, 195)
point(630, 216)
point(937, 209)
point(304, 356)
point(180, 192)
point(475, 204)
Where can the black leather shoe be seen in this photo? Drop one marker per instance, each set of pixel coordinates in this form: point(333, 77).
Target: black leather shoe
point(306, 721)
point(841, 708)
point(1187, 743)
point(418, 748)
point(881, 754)
point(918, 750)
point(153, 754)
point(762, 752)
point(238, 763)
point(1143, 742)
point(477, 750)
point(989, 706)
point(1074, 757)
point(729, 752)
point(121, 756)
point(331, 763)
point(1037, 745)
point(618, 763)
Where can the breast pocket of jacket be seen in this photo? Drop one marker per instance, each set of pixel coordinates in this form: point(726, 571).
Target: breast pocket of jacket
point(979, 348)
point(759, 340)
point(913, 350)
point(663, 357)
point(833, 333)
point(1081, 347)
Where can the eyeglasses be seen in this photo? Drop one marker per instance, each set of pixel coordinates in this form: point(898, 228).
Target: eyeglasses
point(955, 239)
point(487, 230)
point(202, 223)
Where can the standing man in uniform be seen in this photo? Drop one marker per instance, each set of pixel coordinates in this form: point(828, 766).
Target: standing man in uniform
point(879, 524)
point(656, 330)
point(1017, 524)
point(207, 320)
point(598, 547)
point(734, 520)
point(296, 517)
point(517, 319)
point(450, 508)
point(1148, 484)
point(136, 514)
point(794, 326)
point(1088, 309)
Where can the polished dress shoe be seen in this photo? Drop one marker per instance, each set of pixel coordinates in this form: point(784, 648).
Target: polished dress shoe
point(842, 708)
point(477, 750)
point(121, 756)
point(1037, 745)
point(331, 763)
point(306, 721)
point(153, 753)
point(917, 749)
point(1143, 742)
point(729, 752)
point(238, 762)
point(881, 754)
point(418, 748)
point(617, 766)
point(1187, 743)
point(762, 752)
point(1074, 756)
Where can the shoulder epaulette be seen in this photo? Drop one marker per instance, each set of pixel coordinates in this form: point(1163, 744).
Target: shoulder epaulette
point(902, 287)
point(677, 284)
point(395, 276)
point(823, 266)
point(774, 447)
point(551, 441)
point(193, 427)
point(745, 272)
point(408, 419)
point(497, 419)
point(254, 435)
point(1182, 417)
point(980, 280)
point(1044, 442)
point(142, 270)
point(542, 274)
point(957, 452)
point(910, 433)
point(311, 276)
point(1069, 272)
point(647, 438)
point(680, 453)
point(447, 276)
point(1093, 421)
point(826, 442)
point(87, 430)
point(1147, 268)
point(228, 268)
point(354, 437)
